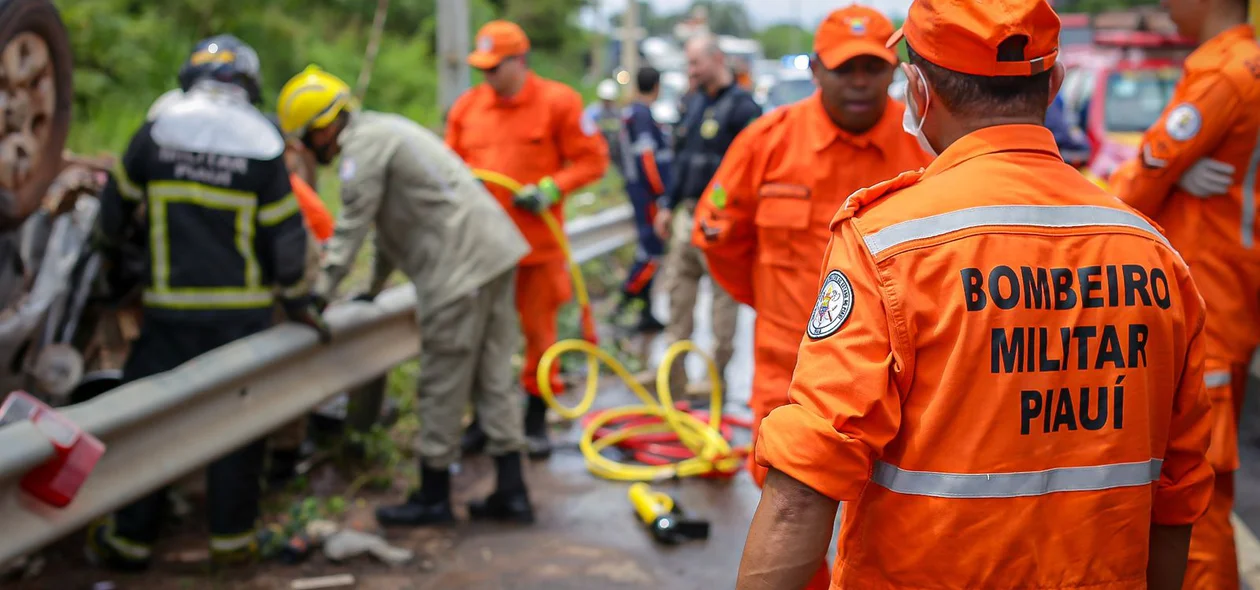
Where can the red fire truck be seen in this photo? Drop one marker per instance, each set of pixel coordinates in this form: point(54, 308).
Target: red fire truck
point(1118, 86)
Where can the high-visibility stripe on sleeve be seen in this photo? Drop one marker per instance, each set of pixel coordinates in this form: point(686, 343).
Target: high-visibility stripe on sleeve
point(1047, 216)
point(276, 212)
point(1016, 484)
point(1216, 378)
point(209, 298)
point(126, 187)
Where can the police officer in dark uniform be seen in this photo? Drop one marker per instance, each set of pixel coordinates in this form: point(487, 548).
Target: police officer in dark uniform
point(647, 166)
point(205, 182)
point(715, 113)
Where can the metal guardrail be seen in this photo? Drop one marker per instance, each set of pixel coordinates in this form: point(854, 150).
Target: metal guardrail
point(158, 429)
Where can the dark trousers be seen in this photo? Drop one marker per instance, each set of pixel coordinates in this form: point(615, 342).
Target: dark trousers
point(647, 257)
point(234, 480)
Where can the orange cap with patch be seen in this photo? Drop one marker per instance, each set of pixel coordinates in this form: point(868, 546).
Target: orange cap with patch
point(964, 35)
point(496, 41)
point(852, 31)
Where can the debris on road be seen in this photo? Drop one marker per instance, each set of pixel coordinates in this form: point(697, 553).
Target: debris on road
point(349, 543)
point(337, 581)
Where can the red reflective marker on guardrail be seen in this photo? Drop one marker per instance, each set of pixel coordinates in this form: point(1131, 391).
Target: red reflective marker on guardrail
point(75, 452)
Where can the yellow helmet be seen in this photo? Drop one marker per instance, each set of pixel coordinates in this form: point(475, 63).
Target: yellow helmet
point(311, 100)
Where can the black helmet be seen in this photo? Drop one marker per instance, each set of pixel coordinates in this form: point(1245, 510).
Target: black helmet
point(226, 59)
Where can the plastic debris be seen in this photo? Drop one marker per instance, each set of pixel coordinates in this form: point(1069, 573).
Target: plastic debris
point(337, 581)
point(350, 543)
point(319, 531)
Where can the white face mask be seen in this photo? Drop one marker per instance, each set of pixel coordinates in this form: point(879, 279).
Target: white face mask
point(909, 123)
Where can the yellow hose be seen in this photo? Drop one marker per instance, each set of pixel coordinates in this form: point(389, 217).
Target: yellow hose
point(712, 451)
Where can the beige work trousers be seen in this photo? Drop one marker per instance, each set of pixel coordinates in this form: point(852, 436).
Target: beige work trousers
point(466, 357)
point(685, 266)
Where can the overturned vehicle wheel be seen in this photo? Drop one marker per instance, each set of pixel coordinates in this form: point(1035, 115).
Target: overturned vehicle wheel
point(35, 99)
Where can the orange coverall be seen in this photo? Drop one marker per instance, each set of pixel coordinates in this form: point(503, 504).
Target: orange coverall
point(535, 134)
point(1214, 113)
point(778, 187)
point(1003, 379)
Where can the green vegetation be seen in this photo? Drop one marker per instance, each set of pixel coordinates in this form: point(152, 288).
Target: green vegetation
point(127, 52)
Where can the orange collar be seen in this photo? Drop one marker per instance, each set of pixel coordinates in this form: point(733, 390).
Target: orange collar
point(824, 131)
point(1223, 40)
point(993, 140)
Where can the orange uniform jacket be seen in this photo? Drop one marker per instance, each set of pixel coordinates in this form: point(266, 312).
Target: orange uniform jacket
point(1003, 378)
point(1214, 113)
point(535, 134)
point(781, 182)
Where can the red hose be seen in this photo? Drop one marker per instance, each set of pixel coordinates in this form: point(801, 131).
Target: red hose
point(664, 448)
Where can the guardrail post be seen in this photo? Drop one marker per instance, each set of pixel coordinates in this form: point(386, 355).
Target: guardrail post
point(363, 409)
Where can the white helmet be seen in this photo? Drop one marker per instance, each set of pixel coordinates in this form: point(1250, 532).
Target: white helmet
point(607, 90)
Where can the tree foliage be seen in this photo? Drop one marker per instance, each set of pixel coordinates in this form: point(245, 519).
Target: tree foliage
point(726, 17)
point(127, 52)
point(785, 39)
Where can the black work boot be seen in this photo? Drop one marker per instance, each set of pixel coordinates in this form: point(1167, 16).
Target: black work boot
point(107, 551)
point(474, 441)
point(430, 505)
point(510, 500)
point(536, 428)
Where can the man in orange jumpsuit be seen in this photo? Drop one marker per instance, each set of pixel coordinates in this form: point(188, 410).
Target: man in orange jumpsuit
point(1196, 177)
point(530, 129)
point(1002, 375)
point(763, 223)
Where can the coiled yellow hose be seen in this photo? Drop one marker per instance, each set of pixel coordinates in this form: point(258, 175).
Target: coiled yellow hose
point(713, 453)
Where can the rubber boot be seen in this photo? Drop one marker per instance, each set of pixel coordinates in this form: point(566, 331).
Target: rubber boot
point(102, 552)
point(536, 438)
point(430, 505)
point(235, 558)
point(510, 500)
point(474, 441)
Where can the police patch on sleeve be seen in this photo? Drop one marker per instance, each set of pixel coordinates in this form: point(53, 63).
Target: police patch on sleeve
point(835, 301)
point(1183, 122)
point(346, 172)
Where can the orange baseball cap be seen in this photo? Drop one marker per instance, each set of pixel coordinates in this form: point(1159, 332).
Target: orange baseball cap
point(964, 36)
point(497, 40)
point(852, 31)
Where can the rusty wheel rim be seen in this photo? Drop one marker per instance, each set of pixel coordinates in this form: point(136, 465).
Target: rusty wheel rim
point(28, 96)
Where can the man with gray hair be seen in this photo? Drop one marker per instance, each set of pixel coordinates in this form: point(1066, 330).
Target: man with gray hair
point(715, 114)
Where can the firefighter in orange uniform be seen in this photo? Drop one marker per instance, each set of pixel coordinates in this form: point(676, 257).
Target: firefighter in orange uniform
point(1003, 373)
point(530, 129)
point(1196, 177)
point(763, 223)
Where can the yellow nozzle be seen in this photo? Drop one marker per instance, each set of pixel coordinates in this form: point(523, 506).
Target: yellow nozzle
point(648, 504)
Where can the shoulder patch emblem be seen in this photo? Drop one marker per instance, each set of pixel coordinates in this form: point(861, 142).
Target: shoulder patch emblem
point(346, 172)
point(1184, 122)
point(835, 301)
